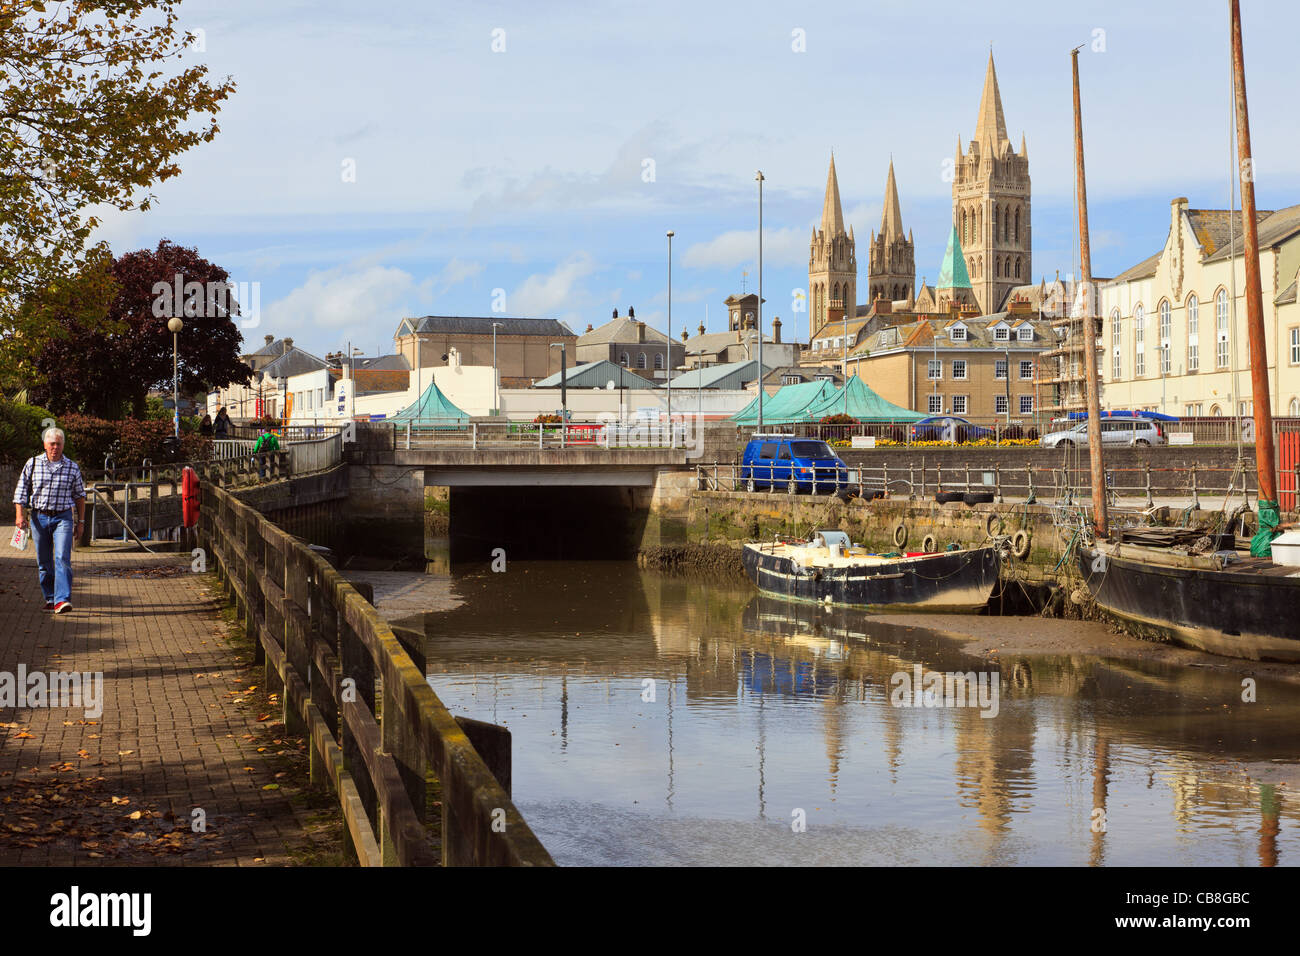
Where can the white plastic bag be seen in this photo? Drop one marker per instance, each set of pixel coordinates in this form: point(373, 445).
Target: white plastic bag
point(20, 539)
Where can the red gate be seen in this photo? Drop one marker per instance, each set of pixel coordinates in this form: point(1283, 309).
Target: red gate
point(1289, 458)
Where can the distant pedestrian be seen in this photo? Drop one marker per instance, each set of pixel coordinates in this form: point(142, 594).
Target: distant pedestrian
point(221, 428)
point(205, 426)
point(50, 488)
point(266, 442)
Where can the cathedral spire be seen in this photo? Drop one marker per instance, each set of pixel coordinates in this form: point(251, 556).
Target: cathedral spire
point(832, 214)
point(991, 127)
point(891, 221)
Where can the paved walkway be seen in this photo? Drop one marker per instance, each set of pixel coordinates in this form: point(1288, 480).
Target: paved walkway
point(180, 728)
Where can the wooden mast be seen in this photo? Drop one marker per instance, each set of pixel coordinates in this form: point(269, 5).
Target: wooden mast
point(1089, 343)
point(1254, 296)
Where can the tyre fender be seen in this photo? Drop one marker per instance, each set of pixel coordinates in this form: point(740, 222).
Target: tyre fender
point(929, 543)
point(900, 534)
point(1020, 543)
point(993, 524)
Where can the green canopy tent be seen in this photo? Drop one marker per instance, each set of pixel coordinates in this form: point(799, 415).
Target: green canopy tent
point(788, 405)
point(433, 408)
point(864, 404)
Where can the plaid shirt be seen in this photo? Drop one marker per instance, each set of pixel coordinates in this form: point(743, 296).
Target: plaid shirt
point(51, 485)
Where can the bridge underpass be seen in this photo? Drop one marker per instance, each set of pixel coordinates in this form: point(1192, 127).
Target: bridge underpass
point(535, 504)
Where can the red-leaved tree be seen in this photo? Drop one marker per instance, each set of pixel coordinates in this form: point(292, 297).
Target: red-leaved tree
point(107, 373)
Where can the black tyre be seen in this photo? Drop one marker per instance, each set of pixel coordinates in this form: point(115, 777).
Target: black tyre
point(977, 497)
point(944, 497)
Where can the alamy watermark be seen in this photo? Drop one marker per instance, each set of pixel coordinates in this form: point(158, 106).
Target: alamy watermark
point(211, 300)
point(33, 689)
point(923, 688)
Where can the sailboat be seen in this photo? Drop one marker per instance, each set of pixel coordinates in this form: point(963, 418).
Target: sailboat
point(1228, 602)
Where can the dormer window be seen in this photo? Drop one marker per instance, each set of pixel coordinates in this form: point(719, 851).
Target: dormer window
point(959, 333)
point(1002, 333)
point(1026, 333)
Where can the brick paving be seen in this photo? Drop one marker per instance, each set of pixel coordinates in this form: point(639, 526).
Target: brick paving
point(179, 728)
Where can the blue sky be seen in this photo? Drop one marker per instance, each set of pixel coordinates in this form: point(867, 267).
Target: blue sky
point(524, 169)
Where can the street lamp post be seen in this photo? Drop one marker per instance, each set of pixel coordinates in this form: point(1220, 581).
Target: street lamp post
point(668, 345)
point(496, 376)
point(564, 387)
point(175, 325)
point(758, 176)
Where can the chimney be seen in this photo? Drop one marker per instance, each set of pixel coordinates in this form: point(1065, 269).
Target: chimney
point(701, 328)
point(631, 312)
point(270, 339)
point(685, 335)
point(288, 344)
point(615, 313)
point(776, 330)
point(640, 329)
point(589, 328)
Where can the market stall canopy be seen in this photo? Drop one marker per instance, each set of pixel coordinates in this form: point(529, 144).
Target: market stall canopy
point(432, 408)
point(790, 404)
point(864, 404)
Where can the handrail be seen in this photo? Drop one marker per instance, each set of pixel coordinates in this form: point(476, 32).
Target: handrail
point(374, 722)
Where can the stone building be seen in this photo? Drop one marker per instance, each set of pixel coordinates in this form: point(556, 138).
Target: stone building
point(991, 203)
point(832, 262)
point(523, 346)
point(629, 342)
point(891, 260)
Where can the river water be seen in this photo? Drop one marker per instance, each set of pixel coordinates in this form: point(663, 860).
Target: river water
point(665, 720)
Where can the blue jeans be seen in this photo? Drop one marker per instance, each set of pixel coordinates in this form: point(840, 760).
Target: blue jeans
point(53, 537)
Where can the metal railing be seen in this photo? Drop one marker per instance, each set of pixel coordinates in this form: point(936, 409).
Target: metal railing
point(224, 449)
point(919, 480)
point(352, 687)
point(542, 435)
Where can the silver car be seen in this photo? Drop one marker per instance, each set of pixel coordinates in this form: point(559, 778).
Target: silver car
point(1114, 431)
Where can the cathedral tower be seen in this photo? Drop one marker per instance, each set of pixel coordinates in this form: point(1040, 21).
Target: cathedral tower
point(832, 262)
point(990, 203)
point(891, 268)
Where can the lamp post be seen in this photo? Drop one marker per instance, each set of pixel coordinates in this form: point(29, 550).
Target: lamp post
point(758, 176)
point(496, 376)
point(564, 388)
point(668, 345)
point(175, 325)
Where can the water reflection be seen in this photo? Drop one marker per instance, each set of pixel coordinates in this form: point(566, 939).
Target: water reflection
point(668, 720)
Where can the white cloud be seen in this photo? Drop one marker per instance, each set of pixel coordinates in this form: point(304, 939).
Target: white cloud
point(781, 247)
point(336, 300)
point(548, 293)
point(457, 271)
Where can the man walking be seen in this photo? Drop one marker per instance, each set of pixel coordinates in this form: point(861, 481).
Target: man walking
point(266, 442)
point(50, 488)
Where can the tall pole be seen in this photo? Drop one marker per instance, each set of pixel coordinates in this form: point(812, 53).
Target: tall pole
point(1254, 295)
point(846, 356)
point(758, 175)
point(496, 375)
point(176, 392)
point(1098, 467)
point(668, 345)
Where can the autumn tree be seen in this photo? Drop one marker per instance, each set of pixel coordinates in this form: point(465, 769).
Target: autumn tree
point(95, 110)
point(107, 370)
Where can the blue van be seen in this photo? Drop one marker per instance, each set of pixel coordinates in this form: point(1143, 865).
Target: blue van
point(787, 463)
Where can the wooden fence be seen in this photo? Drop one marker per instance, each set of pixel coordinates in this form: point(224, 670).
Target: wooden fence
point(375, 725)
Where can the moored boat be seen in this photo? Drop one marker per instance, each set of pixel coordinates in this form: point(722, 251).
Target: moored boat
point(829, 569)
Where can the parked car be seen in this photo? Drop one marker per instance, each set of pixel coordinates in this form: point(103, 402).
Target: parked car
point(1114, 431)
point(787, 463)
point(948, 428)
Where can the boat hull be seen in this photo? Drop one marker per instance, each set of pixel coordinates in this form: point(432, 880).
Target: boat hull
point(1243, 614)
point(959, 581)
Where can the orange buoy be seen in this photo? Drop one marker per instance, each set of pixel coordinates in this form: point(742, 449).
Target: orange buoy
point(191, 497)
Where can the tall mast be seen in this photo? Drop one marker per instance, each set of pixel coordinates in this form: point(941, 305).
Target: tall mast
point(1089, 345)
point(1254, 296)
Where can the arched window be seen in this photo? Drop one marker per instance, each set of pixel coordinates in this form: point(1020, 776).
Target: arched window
point(1221, 329)
point(659, 360)
point(640, 360)
point(1193, 334)
point(835, 293)
point(997, 267)
point(965, 232)
point(1117, 351)
point(1294, 409)
point(1166, 331)
point(1017, 266)
point(623, 360)
point(1216, 411)
point(1017, 229)
point(979, 222)
point(995, 222)
point(1139, 340)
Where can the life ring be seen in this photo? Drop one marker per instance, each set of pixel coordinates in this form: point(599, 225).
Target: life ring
point(1020, 544)
point(993, 524)
point(900, 534)
point(929, 543)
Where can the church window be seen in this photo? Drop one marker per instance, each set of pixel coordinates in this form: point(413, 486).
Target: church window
point(997, 267)
point(659, 361)
point(965, 232)
point(1017, 267)
point(1017, 232)
point(623, 360)
point(1221, 331)
point(995, 222)
point(640, 360)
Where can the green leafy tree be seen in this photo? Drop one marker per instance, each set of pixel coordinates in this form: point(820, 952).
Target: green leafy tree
point(95, 110)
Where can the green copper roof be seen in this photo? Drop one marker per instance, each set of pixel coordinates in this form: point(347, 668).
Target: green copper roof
point(953, 274)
